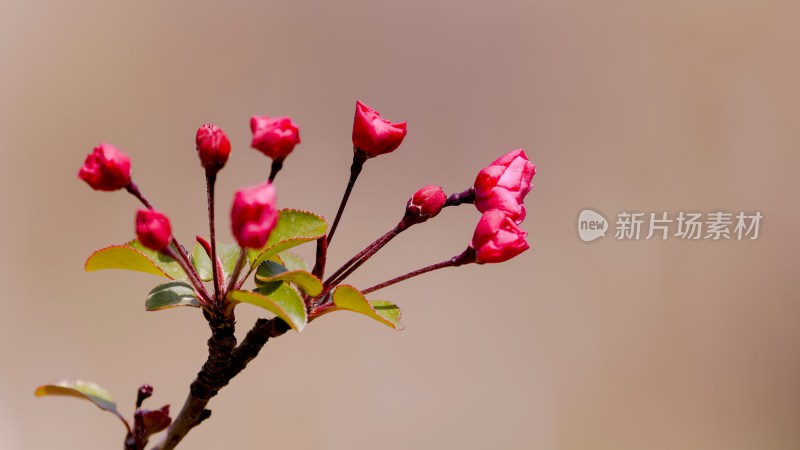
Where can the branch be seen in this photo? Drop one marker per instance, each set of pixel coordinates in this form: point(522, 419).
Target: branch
point(225, 361)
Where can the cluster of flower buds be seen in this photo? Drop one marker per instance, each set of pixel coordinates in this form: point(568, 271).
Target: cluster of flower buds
point(500, 189)
point(498, 193)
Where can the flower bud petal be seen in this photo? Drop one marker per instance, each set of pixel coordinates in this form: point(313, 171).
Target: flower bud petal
point(106, 168)
point(275, 137)
point(153, 229)
point(497, 238)
point(425, 203)
point(504, 183)
point(375, 135)
point(213, 147)
point(253, 215)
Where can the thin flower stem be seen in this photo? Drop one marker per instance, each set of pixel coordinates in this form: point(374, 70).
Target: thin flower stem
point(321, 257)
point(134, 190)
point(356, 261)
point(187, 265)
point(359, 157)
point(185, 258)
point(467, 196)
point(237, 269)
point(466, 257)
point(277, 165)
point(193, 278)
point(211, 179)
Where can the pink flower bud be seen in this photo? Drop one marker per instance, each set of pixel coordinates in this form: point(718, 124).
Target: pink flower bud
point(425, 203)
point(497, 238)
point(274, 137)
point(106, 168)
point(253, 215)
point(213, 147)
point(153, 229)
point(374, 135)
point(504, 184)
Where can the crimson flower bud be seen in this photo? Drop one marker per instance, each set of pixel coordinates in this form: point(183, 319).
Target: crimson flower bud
point(425, 204)
point(106, 168)
point(274, 137)
point(213, 147)
point(153, 229)
point(504, 183)
point(145, 392)
point(253, 215)
point(497, 238)
point(375, 135)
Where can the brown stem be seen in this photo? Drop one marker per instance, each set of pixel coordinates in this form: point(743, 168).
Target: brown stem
point(188, 267)
point(467, 196)
point(209, 381)
point(464, 258)
point(262, 331)
point(359, 157)
point(134, 190)
point(174, 252)
point(237, 269)
point(355, 262)
point(225, 361)
point(277, 165)
point(211, 178)
point(321, 257)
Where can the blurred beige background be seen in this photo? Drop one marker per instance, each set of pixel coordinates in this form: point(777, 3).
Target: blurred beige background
point(624, 105)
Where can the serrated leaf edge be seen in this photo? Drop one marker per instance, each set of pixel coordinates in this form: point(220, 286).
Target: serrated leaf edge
point(129, 248)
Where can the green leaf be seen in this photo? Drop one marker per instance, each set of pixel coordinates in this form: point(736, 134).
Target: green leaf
point(82, 389)
point(229, 255)
point(201, 262)
point(135, 256)
point(346, 297)
point(171, 294)
point(168, 265)
point(294, 228)
point(270, 271)
point(293, 262)
point(122, 257)
point(285, 302)
point(226, 253)
point(388, 311)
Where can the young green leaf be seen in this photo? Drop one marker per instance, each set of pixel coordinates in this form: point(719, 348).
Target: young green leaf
point(201, 262)
point(270, 271)
point(171, 294)
point(122, 257)
point(346, 297)
point(227, 255)
point(168, 265)
point(294, 228)
point(285, 302)
point(134, 256)
point(293, 262)
point(85, 390)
